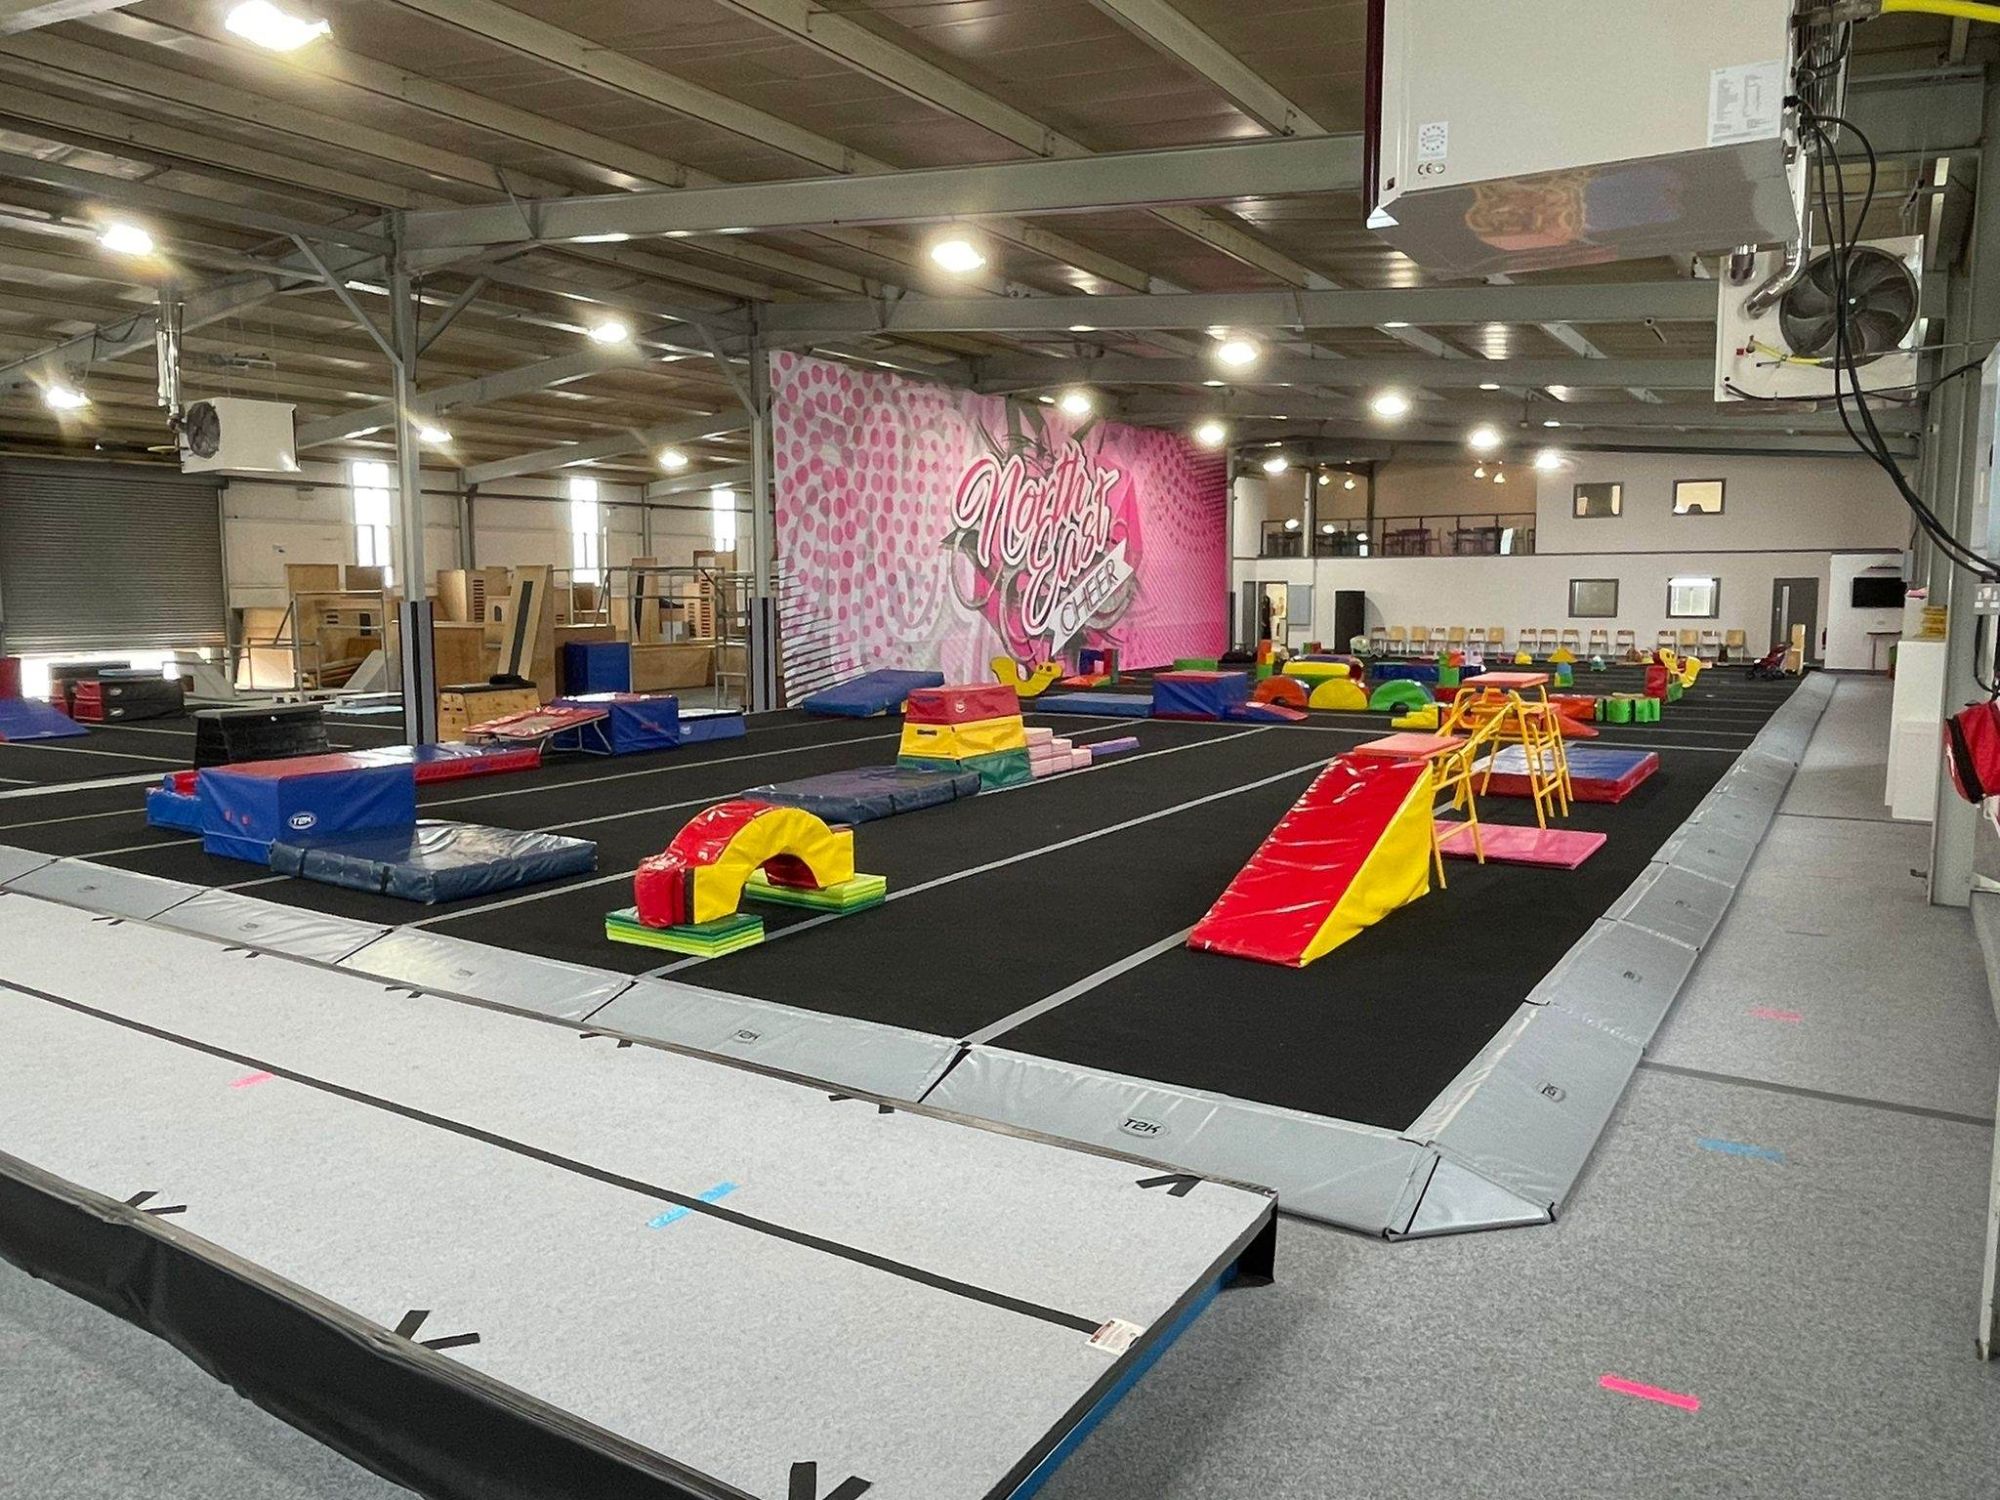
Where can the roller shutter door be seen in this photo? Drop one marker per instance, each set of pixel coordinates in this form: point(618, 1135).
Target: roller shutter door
point(108, 557)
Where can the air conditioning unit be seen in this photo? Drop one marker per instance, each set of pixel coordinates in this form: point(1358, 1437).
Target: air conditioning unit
point(229, 435)
point(1784, 351)
point(1528, 134)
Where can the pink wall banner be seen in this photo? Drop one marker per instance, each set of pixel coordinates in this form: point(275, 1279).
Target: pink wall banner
point(921, 527)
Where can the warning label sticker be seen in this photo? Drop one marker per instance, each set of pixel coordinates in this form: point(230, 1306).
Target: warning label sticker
point(1745, 103)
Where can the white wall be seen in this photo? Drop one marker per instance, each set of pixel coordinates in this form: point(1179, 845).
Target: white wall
point(1850, 647)
point(1782, 518)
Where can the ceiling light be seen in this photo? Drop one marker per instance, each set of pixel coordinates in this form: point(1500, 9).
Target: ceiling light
point(1480, 472)
point(1483, 439)
point(957, 254)
point(1083, 328)
point(1292, 524)
point(1326, 529)
point(263, 24)
point(1499, 478)
point(1489, 385)
point(600, 239)
point(126, 239)
point(1390, 404)
point(1211, 434)
point(437, 437)
point(1550, 422)
point(1215, 384)
point(1548, 459)
point(1237, 352)
point(1395, 325)
point(611, 331)
point(673, 460)
point(1076, 403)
point(1277, 463)
point(1325, 479)
point(64, 398)
point(1350, 483)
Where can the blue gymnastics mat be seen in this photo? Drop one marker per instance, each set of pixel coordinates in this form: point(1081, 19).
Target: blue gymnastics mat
point(867, 794)
point(869, 694)
point(1106, 705)
point(31, 719)
point(436, 861)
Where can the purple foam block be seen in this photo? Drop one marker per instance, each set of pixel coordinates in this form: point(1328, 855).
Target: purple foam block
point(1100, 749)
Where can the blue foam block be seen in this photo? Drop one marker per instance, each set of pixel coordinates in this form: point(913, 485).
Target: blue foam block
point(1104, 705)
point(597, 667)
point(167, 808)
point(869, 694)
point(867, 794)
point(632, 724)
point(32, 719)
point(1199, 695)
point(436, 861)
point(702, 724)
point(247, 808)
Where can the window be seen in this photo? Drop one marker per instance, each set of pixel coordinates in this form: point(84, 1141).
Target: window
point(1599, 500)
point(1697, 497)
point(371, 482)
point(722, 517)
point(1693, 598)
point(586, 532)
point(1593, 598)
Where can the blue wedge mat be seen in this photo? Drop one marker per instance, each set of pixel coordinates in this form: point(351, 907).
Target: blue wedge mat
point(869, 694)
point(867, 794)
point(1105, 705)
point(436, 861)
point(31, 719)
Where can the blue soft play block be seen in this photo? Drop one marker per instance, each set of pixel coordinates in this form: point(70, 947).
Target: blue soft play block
point(1199, 695)
point(633, 723)
point(167, 808)
point(247, 808)
point(869, 793)
point(597, 667)
point(701, 724)
point(436, 861)
point(1105, 705)
point(869, 694)
point(32, 719)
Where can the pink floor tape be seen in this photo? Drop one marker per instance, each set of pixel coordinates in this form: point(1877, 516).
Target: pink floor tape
point(251, 1080)
point(1765, 1013)
point(1520, 844)
point(1626, 1387)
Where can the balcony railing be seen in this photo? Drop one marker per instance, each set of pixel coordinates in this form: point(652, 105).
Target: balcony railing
point(1446, 534)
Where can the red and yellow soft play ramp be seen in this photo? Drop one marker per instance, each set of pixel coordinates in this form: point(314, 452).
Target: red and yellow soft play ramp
point(1355, 847)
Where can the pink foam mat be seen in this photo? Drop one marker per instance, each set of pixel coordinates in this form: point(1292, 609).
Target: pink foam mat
point(1520, 844)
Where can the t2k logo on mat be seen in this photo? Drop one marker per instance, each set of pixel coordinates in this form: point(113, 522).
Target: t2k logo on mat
point(301, 821)
point(1131, 1125)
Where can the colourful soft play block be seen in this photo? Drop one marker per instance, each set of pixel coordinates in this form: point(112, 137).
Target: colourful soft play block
point(1339, 695)
point(1105, 749)
point(1079, 759)
point(1196, 664)
point(861, 892)
point(1424, 720)
point(1597, 773)
point(1287, 690)
point(1316, 671)
point(1519, 844)
point(700, 940)
point(1031, 683)
point(1201, 694)
point(1004, 768)
point(1398, 694)
point(1351, 850)
point(1408, 746)
point(961, 703)
point(699, 877)
point(1037, 735)
point(963, 741)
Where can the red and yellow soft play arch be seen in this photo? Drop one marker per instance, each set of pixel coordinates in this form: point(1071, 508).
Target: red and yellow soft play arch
point(700, 876)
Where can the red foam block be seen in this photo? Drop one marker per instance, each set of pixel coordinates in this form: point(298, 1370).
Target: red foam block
point(1520, 844)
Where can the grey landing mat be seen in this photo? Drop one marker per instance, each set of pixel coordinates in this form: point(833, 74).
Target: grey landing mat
point(475, 1249)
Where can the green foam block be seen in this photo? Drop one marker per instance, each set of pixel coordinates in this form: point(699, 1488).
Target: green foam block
point(858, 894)
point(1001, 768)
point(702, 939)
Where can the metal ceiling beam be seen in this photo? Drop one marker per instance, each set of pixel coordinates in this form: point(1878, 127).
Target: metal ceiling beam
point(101, 187)
point(926, 195)
point(199, 307)
point(17, 16)
point(1331, 442)
point(1510, 416)
point(585, 58)
point(688, 430)
point(1541, 302)
point(505, 386)
point(1015, 372)
point(1167, 30)
point(688, 484)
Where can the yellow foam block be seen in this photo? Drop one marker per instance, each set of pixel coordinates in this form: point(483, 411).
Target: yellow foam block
point(1418, 718)
point(1338, 693)
point(1396, 872)
point(828, 852)
point(1316, 670)
point(1026, 684)
point(963, 741)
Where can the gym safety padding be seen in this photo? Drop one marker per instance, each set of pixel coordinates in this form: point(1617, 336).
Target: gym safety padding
point(1287, 690)
point(23, 719)
point(169, 807)
point(1339, 694)
point(1199, 694)
point(872, 792)
point(247, 808)
point(1597, 773)
point(1352, 849)
point(632, 723)
point(434, 861)
point(699, 877)
point(869, 694)
point(961, 741)
point(1315, 671)
point(1105, 705)
point(1397, 695)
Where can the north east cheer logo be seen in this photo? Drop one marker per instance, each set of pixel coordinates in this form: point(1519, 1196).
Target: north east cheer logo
point(1047, 547)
